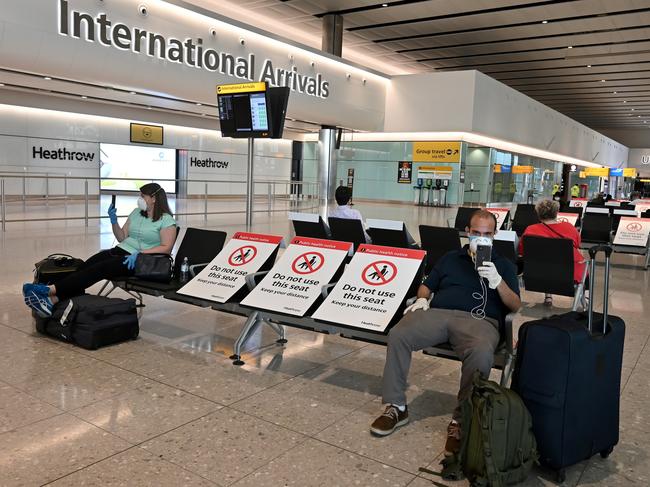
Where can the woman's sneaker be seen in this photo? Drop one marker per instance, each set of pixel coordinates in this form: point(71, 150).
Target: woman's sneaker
point(392, 419)
point(37, 297)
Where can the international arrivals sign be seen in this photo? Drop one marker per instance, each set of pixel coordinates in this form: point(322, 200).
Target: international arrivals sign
point(189, 51)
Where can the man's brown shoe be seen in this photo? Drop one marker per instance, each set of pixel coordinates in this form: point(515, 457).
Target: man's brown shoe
point(388, 422)
point(453, 438)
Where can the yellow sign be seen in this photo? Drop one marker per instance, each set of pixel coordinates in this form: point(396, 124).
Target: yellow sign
point(241, 88)
point(522, 169)
point(601, 172)
point(497, 169)
point(146, 134)
point(582, 175)
point(436, 151)
point(436, 168)
point(629, 172)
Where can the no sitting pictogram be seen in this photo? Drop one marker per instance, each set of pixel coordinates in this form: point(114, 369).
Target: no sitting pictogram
point(379, 273)
point(243, 255)
point(634, 227)
point(563, 220)
point(307, 263)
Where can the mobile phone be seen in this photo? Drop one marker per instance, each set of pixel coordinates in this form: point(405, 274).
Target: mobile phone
point(113, 197)
point(483, 254)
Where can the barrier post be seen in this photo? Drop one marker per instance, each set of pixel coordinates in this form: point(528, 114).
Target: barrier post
point(249, 184)
point(3, 203)
point(24, 188)
point(47, 188)
point(65, 186)
point(269, 196)
point(86, 201)
point(205, 204)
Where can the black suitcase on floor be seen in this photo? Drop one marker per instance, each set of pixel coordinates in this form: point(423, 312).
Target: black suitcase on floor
point(54, 267)
point(568, 372)
point(92, 321)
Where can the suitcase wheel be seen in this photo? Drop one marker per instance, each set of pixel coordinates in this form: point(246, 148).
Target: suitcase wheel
point(560, 476)
point(606, 453)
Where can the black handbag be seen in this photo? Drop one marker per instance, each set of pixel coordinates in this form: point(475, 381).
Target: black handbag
point(154, 267)
point(55, 267)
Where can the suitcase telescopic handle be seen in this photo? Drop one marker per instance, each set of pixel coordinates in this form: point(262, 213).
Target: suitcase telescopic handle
point(593, 251)
point(598, 248)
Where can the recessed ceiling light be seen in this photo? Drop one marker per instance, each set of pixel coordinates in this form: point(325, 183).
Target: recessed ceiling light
point(132, 92)
point(198, 104)
point(544, 21)
point(2, 84)
point(602, 80)
point(589, 65)
point(615, 92)
point(632, 109)
point(148, 108)
point(624, 101)
point(384, 5)
point(84, 97)
point(570, 47)
point(639, 116)
point(47, 78)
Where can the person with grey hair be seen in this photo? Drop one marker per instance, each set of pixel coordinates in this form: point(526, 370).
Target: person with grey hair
point(551, 227)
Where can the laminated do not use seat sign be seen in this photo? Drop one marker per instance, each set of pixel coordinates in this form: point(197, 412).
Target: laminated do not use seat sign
point(372, 287)
point(226, 274)
point(295, 281)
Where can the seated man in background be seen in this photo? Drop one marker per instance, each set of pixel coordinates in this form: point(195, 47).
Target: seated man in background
point(343, 195)
point(465, 312)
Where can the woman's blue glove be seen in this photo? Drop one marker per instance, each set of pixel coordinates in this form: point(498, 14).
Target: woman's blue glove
point(129, 260)
point(112, 214)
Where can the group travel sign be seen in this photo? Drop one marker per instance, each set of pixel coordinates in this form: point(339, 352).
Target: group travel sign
point(295, 281)
point(372, 287)
point(226, 274)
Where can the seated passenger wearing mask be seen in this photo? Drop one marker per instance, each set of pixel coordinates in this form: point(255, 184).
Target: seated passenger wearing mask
point(149, 229)
point(343, 196)
point(454, 315)
point(551, 228)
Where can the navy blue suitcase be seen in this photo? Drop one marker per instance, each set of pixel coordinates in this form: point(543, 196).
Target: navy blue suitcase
point(568, 373)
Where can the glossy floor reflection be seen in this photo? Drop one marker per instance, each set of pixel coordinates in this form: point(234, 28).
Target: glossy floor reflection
point(170, 409)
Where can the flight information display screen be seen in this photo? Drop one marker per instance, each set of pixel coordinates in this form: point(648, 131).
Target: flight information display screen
point(244, 110)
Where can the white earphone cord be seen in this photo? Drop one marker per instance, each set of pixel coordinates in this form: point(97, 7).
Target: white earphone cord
point(478, 312)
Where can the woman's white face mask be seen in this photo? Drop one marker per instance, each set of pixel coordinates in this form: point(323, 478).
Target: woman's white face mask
point(142, 204)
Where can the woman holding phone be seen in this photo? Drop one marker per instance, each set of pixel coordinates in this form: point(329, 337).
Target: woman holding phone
point(149, 229)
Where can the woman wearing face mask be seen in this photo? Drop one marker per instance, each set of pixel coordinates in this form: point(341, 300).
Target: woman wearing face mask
point(149, 229)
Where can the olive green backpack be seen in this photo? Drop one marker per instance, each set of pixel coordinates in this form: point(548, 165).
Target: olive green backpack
point(497, 443)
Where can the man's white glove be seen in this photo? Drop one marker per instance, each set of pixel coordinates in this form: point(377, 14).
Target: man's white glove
point(489, 272)
point(420, 303)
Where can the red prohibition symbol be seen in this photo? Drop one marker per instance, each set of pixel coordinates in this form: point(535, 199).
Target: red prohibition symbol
point(379, 273)
point(308, 263)
point(243, 255)
point(634, 227)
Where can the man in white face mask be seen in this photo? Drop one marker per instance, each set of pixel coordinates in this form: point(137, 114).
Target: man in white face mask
point(466, 310)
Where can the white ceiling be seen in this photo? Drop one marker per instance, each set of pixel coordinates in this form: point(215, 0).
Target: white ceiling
point(524, 44)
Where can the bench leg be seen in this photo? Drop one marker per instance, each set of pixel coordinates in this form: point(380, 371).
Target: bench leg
point(280, 330)
point(106, 284)
point(252, 323)
point(507, 371)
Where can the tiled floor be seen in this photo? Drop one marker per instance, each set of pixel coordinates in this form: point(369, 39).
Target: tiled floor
point(169, 409)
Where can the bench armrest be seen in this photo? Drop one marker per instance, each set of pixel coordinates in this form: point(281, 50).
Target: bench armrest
point(194, 267)
point(250, 279)
point(507, 332)
point(325, 290)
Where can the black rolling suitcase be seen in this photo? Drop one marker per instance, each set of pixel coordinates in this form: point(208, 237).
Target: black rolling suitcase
point(568, 372)
point(92, 321)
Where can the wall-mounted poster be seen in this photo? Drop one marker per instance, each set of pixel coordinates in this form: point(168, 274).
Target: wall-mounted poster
point(404, 172)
